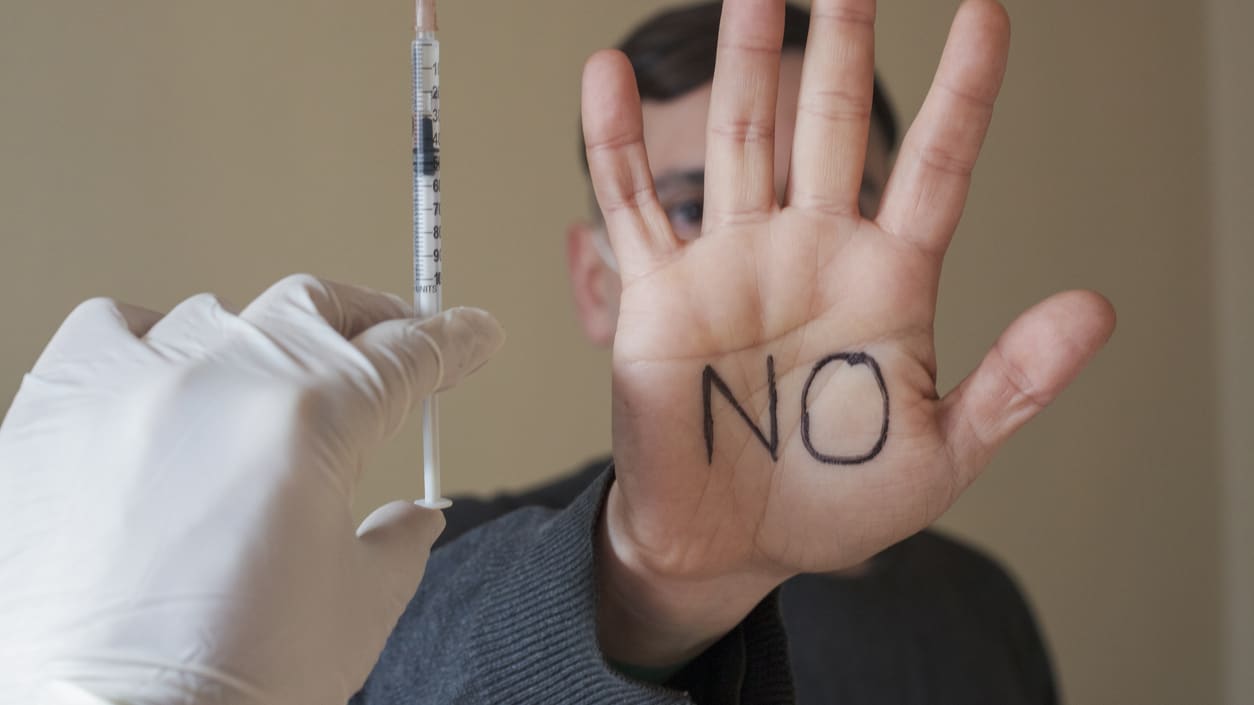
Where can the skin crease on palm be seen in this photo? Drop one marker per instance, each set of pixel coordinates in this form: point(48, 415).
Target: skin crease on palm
point(790, 264)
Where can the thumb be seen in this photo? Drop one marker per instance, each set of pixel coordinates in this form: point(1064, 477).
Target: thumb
point(397, 539)
point(414, 358)
point(1034, 360)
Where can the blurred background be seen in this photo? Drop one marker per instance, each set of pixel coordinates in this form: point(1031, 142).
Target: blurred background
point(150, 150)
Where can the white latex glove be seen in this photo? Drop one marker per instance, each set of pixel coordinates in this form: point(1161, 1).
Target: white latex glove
point(175, 491)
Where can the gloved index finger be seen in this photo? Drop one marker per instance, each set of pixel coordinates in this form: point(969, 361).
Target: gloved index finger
point(347, 309)
point(413, 359)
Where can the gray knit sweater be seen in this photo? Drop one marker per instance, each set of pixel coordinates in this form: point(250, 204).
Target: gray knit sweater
point(507, 614)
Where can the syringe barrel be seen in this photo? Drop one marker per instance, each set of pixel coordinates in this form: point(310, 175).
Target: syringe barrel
point(428, 274)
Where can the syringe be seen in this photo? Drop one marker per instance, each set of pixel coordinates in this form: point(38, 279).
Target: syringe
point(427, 235)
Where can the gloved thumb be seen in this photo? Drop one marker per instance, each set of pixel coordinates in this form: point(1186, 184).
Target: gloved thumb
point(414, 358)
point(398, 538)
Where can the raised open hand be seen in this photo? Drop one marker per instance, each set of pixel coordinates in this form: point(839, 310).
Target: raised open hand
point(775, 407)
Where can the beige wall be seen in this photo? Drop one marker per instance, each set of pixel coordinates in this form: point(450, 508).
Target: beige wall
point(1232, 149)
point(150, 150)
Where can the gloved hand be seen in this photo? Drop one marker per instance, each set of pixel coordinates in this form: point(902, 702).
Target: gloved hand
point(175, 492)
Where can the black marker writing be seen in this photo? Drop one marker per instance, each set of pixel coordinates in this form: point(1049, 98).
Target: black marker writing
point(710, 379)
point(853, 360)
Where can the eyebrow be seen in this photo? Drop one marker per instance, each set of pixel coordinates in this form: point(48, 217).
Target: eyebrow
point(674, 179)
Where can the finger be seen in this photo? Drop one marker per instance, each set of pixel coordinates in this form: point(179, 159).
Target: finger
point(192, 328)
point(107, 318)
point(94, 326)
point(928, 189)
point(639, 231)
point(1033, 361)
point(347, 309)
point(398, 537)
point(411, 359)
point(834, 110)
point(740, 134)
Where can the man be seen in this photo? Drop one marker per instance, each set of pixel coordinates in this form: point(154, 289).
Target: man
point(929, 620)
point(176, 514)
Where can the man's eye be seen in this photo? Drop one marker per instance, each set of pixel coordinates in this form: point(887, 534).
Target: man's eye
point(686, 218)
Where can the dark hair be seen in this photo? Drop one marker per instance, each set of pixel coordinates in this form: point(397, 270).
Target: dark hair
point(674, 51)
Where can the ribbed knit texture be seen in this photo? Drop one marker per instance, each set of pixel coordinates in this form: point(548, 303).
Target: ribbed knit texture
point(933, 621)
point(507, 614)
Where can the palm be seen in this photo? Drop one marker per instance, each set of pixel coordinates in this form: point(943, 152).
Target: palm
point(857, 450)
point(795, 290)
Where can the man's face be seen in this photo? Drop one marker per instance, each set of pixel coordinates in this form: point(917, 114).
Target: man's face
point(674, 138)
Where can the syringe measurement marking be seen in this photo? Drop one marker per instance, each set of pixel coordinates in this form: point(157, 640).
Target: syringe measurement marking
point(427, 275)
